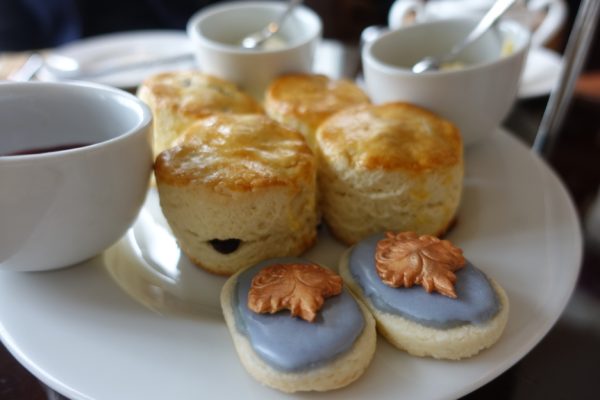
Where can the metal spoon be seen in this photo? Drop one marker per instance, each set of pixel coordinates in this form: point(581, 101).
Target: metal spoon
point(256, 39)
point(60, 66)
point(433, 63)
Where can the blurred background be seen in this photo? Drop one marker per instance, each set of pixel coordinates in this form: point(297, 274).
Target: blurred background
point(36, 24)
point(32, 24)
point(565, 364)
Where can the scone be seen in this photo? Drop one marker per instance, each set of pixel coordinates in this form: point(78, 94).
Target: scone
point(325, 341)
point(179, 98)
point(391, 166)
point(238, 189)
point(457, 310)
point(304, 101)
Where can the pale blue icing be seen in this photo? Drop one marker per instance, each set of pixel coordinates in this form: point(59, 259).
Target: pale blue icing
point(293, 344)
point(476, 300)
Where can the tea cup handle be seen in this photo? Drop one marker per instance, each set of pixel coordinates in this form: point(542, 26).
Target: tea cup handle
point(552, 23)
point(401, 9)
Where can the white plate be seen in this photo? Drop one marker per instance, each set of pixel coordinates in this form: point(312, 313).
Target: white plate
point(541, 73)
point(82, 335)
point(117, 49)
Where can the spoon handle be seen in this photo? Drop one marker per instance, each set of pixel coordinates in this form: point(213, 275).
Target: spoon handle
point(290, 7)
point(256, 39)
point(28, 70)
point(495, 12)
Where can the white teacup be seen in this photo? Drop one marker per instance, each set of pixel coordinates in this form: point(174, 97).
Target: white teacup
point(544, 18)
point(216, 32)
point(75, 162)
point(476, 96)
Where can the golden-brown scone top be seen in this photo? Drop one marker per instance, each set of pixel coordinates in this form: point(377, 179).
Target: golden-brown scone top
point(194, 94)
point(391, 136)
point(311, 97)
point(236, 152)
point(179, 98)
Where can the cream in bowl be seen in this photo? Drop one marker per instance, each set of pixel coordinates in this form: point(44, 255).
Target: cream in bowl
point(75, 162)
point(216, 33)
point(477, 96)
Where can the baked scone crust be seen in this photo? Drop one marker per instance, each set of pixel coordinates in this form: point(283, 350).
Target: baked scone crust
point(237, 153)
point(243, 177)
point(392, 166)
point(390, 137)
point(304, 101)
point(178, 98)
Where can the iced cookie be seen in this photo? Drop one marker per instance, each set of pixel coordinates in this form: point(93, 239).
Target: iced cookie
point(296, 328)
point(427, 299)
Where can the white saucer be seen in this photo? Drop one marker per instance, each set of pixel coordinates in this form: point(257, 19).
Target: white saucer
point(123, 48)
point(541, 73)
point(83, 336)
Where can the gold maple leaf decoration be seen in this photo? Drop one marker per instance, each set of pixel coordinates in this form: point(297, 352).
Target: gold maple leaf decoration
point(300, 288)
point(405, 259)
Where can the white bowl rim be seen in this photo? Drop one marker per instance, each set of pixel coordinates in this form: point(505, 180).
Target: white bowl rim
point(145, 120)
point(394, 70)
point(211, 10)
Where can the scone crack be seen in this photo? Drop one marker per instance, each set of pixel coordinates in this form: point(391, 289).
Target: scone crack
point(300, 288)
point(405, 259)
